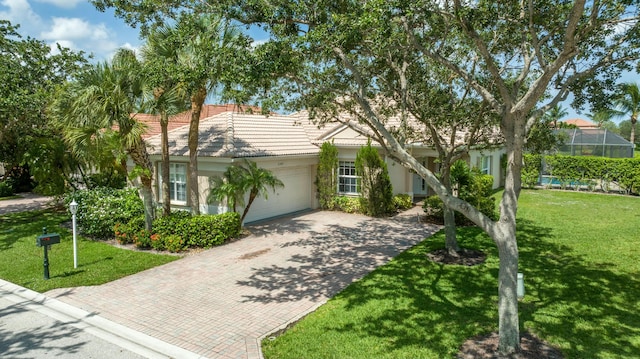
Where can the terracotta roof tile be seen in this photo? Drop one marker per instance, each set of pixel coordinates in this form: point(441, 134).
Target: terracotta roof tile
point(184, 118)
point(581, 123)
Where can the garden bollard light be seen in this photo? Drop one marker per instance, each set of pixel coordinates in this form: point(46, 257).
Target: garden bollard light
point(520, 289)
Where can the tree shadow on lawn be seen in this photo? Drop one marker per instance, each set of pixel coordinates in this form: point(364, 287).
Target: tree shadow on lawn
point(587, 310)
point(15, 226)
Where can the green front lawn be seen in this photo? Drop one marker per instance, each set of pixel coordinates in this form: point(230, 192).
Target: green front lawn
point(21, 262)
point(579, 253)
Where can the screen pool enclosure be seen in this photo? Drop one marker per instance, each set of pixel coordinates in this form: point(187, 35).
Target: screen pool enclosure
point(594, 142)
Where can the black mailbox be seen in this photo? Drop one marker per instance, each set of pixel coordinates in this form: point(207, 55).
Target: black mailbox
point(47, 239)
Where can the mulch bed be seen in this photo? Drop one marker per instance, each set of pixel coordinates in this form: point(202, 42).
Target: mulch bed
point(486, 347)
point(466, 257)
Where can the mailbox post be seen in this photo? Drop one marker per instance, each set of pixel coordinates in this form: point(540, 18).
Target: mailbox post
point(45, 240)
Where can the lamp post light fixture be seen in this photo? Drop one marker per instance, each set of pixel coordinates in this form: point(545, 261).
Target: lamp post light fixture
point(73, 207)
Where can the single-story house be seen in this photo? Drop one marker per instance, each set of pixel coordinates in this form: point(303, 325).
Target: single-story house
point(288, 145)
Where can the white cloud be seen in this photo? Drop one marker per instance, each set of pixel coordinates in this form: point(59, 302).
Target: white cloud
point(68, 4)
point(19, 12)
point(63, 43)
point(64, 28)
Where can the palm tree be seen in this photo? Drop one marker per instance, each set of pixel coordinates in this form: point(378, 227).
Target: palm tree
point(628, 104)
point(168, 98)
point(257, 181)
point(555, 114)
point(229, 187)
point(102, 100)
point(601, 116)
point(209, 48)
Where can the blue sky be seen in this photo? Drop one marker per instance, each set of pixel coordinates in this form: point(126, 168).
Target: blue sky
point(75, 24)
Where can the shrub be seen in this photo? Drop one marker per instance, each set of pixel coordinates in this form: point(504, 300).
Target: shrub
point(473, 187)
point(531, 170)
point(375, 185)
point(210, 230)
point(348, 204)
point(177, 223)
point(402, 201)
point(100, 209)
point(326, 179)
point(142, 239)
point(6, 189)
point(174, 243)
point(157, 242)
point(126, 232)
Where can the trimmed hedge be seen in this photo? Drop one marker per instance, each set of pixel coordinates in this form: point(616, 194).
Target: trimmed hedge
point(180, 230)
point(592, 172)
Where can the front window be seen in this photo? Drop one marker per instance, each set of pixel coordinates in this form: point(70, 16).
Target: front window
point(485, 165)
point(177, 183)
point(347, 179)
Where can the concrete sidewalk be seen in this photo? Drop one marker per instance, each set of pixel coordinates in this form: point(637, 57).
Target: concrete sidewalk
point(35, 326)
point(222, 302)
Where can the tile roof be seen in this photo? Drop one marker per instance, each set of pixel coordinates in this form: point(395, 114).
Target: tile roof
point(580, 123)
point(183, 118)
point(237, 135)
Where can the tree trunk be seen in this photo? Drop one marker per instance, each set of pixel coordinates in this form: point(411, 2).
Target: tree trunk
point(504, 235)
point(633, 131)
point(197, 99)
point(166, 195)
point(508, 323)
point(140, 157)
point(252, 197)
point(451, 241)
point(147, 199)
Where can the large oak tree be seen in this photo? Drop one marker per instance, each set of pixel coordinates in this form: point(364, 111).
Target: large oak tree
point(520, 57)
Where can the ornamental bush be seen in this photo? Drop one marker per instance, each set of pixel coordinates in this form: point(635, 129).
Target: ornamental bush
point(174, 243)
point(402, 201)
point(327, 179)
point(473, 187)
point(375, 185)
point(126, 232)
point(101, 208)
point(177, 223)
point(348, 204)
point(206, 231)
point(6, 189)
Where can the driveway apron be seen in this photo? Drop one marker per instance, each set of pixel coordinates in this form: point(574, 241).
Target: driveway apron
point(220, 303)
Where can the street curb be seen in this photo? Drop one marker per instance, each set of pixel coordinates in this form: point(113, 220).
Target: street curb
point(92, 323)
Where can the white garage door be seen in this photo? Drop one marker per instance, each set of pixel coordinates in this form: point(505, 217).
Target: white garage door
point(294, 196)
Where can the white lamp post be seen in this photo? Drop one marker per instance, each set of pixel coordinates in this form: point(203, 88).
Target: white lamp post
point(73, 207)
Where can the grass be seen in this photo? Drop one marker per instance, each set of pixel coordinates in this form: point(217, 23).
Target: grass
point(579, 253)
point(9, 197)
point(21, 261)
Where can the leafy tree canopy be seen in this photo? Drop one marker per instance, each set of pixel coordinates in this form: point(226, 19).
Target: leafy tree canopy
point(29, 72)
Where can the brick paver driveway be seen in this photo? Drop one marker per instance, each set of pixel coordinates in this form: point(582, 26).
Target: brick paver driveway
point(221, 302)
